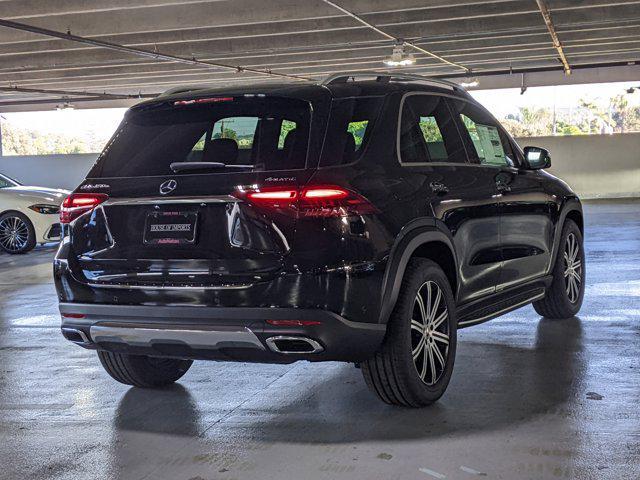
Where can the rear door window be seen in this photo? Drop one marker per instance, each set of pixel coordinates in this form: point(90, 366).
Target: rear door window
point(350, 128)
point(219, 136)
point(428, 132)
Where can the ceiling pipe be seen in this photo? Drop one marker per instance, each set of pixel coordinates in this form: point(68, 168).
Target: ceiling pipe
point(142, 52)
point(559, 68)
point(546, 15)
point(45, 101)
point(391, 37)
point(104, 95)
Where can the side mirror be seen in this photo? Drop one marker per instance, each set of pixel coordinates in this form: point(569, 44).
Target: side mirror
point(537, 158)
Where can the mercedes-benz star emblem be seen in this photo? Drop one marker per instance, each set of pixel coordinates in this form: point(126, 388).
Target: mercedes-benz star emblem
point(168, 187)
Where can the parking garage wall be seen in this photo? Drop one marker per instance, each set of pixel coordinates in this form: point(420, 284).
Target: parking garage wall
point(596, 166)
point(53, 171)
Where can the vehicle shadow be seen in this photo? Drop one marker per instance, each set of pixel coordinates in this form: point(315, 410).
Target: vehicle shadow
point(494, 385)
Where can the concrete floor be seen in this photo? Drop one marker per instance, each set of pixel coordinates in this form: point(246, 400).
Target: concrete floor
point(530, 398)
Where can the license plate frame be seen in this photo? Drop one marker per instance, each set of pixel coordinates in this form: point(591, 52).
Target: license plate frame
point(170, 228)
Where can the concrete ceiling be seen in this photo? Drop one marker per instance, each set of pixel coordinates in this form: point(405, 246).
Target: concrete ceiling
point(309, 38)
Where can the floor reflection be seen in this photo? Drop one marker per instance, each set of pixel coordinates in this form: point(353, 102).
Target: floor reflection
point(495, 385)
point(170, 410)
point(150, 426)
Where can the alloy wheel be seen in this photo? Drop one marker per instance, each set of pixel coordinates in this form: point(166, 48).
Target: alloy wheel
point(572, 268)
point(14, 234)
point(430, 333)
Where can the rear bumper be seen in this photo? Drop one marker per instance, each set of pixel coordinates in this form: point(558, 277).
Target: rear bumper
point(47, 228)
point(216, 333)
point(54, 233)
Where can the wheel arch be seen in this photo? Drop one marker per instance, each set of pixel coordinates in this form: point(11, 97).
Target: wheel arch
point(572, 210)
point(20, 212)
point(425, 240)
point(576, 215)
point(11, 210)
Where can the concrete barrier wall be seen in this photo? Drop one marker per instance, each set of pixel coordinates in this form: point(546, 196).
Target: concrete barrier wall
point(54, 171)
point(596, 166)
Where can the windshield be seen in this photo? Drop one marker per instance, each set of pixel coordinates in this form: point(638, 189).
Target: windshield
point(212, 135)
point(6, 182)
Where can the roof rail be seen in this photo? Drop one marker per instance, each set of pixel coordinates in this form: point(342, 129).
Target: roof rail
point(344, 77)
point(183, 89)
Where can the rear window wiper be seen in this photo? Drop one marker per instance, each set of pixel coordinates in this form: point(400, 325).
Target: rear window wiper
point(188, 166)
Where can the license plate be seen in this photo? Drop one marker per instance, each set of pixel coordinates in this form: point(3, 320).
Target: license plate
point(170, 228)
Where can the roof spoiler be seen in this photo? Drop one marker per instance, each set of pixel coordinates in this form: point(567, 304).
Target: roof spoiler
point(385, 77)
point(183, 89)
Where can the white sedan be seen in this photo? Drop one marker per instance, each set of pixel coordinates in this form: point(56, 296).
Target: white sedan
point(28, 215)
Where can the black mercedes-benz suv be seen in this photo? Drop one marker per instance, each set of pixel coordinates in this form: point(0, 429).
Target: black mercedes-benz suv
point(363, 219)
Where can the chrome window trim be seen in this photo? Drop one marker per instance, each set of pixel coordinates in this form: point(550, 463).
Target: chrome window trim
point(123, 286)
point(514, 168)
point(169, 200)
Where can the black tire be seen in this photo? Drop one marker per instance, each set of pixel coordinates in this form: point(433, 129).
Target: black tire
point(26, 239)
point(142, 371)
point(560, 300)
point(392, 373)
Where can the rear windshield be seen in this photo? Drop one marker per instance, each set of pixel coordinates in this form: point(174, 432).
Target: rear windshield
point(214, 135)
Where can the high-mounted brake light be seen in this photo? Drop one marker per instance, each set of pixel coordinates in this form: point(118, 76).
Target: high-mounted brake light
point(78, 203)
point(316, 201)
point(196, 101)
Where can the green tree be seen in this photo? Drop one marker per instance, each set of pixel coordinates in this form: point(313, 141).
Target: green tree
point(625, 117)
point(20, 141)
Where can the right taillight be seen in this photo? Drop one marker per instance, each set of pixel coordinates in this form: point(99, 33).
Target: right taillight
point(316, 201)
point(332, 201)
point(78, 203)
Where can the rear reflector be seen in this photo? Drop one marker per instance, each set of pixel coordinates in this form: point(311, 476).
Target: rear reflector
point(293, 323)
point(316, 201)
point(78, 203)
point(73, 315)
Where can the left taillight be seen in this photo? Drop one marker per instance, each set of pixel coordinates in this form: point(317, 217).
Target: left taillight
point(78, 203)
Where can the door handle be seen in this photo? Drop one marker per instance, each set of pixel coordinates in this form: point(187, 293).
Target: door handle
point(439, 188)
point(503, 187)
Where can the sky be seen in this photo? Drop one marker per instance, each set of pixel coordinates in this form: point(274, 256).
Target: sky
point(103, 122)
point(504, 101)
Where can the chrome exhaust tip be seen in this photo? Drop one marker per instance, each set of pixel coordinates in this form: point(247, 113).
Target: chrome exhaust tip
point(76, 336)
point(293, 345)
